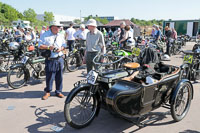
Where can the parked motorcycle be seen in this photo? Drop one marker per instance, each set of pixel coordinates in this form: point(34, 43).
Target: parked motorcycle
point(128, 99)
point(19, 73)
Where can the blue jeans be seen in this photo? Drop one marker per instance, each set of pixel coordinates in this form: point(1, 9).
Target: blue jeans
point(54, 69)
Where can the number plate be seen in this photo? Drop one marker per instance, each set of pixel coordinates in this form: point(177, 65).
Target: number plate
point(25, 59)
point(136, 51)
point(91, 77)
point(188, 59)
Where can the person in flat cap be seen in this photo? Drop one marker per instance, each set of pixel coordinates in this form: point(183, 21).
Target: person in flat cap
point(53, 41)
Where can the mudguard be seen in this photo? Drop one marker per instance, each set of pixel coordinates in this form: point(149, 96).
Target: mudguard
point(177, 87)
point(73, 91)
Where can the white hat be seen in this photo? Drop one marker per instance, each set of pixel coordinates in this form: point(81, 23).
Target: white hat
point(82, 26)
point(123, 23)
point(55, 23)
point(92, 22)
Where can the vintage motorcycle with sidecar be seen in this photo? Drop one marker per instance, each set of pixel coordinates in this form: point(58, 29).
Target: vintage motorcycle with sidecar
point(128, 97)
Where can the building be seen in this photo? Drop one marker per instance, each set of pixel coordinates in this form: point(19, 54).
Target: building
point(184, 27)
point(109, 18)
point(21, 23)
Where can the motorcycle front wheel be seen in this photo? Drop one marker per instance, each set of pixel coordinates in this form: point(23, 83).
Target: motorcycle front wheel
point(16, 77)
point(80, 108)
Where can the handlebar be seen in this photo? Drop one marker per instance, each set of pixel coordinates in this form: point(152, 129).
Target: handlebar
point(105, 64)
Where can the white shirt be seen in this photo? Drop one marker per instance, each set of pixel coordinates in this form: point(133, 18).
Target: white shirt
point(81, 34)
point(70, 33)
point(28, 37)
point(130, 34)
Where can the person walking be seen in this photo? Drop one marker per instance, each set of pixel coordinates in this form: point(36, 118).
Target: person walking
point(70, 36)
point(53, 41)
point(94, 43)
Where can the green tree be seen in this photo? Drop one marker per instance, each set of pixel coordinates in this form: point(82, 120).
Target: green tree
point(48, 17)
point(146, 22)
point(9, 12)
point(103, 21)
point(3, 20)
point(30, 15)
point(77, 21)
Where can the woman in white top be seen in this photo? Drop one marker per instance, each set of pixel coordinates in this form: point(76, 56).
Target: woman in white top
point(128, 38)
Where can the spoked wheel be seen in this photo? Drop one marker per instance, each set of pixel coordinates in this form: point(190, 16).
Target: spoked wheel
point(181, 104)
point(16, 77)
point(71, 63)
point(80, 108)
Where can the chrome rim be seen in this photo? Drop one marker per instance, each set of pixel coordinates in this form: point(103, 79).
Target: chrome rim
point(82, 108)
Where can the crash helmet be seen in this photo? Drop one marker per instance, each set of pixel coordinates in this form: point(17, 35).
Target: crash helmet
point(14, 46)
point(166, 57)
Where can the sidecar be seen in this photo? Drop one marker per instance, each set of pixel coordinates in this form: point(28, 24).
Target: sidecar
point(136, 98)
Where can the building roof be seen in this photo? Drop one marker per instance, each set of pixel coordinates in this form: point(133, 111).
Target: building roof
point(117, 22)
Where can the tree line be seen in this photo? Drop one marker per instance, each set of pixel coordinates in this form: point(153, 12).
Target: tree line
point(147, 22)
point(9, 14)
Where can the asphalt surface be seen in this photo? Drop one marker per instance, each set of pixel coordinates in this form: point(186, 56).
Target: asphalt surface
point(23, 111)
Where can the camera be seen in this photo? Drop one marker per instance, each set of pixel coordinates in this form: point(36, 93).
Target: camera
point(55, 49)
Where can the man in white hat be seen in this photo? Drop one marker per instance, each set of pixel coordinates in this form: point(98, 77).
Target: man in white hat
point(53, 41)
point(81, 35)
point(94, 43)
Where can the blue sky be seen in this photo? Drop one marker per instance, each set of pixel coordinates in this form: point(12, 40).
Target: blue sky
point(141, 9)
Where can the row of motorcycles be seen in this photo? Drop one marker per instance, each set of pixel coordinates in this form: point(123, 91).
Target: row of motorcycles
point(13, 54)
point(23, 60)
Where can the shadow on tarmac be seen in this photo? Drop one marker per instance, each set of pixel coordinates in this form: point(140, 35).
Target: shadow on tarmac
point(26, 94)
point(189, 131)
point(104, 123)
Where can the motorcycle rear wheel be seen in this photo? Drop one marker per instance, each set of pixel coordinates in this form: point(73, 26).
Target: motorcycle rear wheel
point(182, 101)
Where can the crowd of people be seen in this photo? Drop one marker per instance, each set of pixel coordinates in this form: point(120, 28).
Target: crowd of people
point(93, 39)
